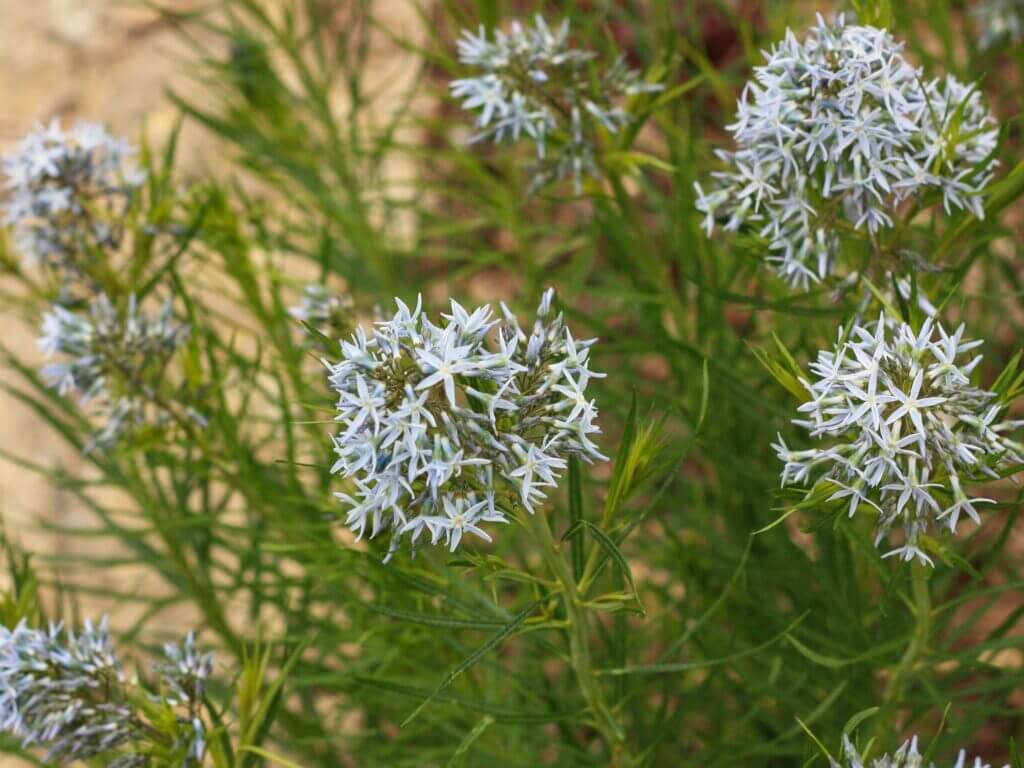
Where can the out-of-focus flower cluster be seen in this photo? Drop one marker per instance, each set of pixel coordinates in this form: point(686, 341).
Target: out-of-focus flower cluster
point(910, 430)
point(327, 311)
point(534, 84)
point(184, 673)
point(116, 359)
point(185, 670)
point(445, 427)
point(838, 132)
point(999, 21)
point(68, 192)
point(67, 692)
point(907, 756)
point(63, 692)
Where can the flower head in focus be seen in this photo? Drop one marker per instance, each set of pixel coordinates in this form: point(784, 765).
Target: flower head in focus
point(907, 756)
point(907, 430)
point(68, 191)
point(115, 358)
point(446, 427)
point(533, 84)
point(840, 132)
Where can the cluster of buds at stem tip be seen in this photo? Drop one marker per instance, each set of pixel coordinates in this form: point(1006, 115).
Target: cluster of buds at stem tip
point(907, 756)
point(66, 692)
point(908, 432)
point(68, 192)
point(533, 84)
point(839, 133)
point(446, 427)
point(116, 360)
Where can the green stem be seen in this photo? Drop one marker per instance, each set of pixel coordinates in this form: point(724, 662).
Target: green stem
point(916, 648)
point(579, 647)
point(590, 571)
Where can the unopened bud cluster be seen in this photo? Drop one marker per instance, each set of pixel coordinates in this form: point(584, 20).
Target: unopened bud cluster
point(534, 84)
point(839, 132)
point(445, 427)
point(66, 692)
point(68, 192)
point(908, 431)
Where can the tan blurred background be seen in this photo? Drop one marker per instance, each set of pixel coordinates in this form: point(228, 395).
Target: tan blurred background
point(112, 61)
point(98, 60)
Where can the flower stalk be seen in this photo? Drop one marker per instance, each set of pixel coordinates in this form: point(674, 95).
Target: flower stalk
point(916, 649)
point(579, 646)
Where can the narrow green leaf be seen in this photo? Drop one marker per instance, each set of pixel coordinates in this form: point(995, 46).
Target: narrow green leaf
point(816, 741)
point(831, 662)
point(612, 550)
point(855, 720)
point(628, 436)
point(493, 642)
point(689, 666)
point(433, 620)
point(471, 738)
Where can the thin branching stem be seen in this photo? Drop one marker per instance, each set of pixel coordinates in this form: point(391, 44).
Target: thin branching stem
point(579, 643)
